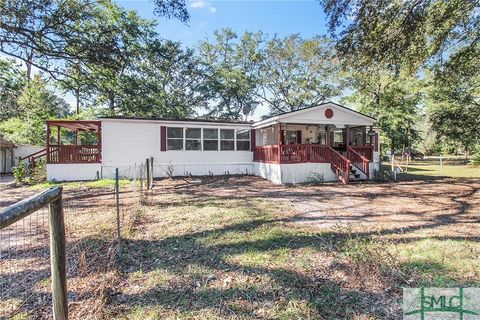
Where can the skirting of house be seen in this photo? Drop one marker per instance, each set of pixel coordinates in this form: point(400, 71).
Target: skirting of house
point(73, 171)
point(294, 173)
point(162, 170)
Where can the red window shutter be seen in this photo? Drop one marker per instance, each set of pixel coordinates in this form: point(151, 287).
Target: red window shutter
point(252, 140)
point(163, 138)
point(299, 136)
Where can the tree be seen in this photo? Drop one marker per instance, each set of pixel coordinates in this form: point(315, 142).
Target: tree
point(454, 99)
point(164, 83)
point(407, 33)
point(231, 69)
point(298, 73)
point(39, 104)
point(393, 101)
point(53, 35)
point(129, 35)
point(12, 80)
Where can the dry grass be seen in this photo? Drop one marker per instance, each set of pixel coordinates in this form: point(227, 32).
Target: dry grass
point(242, 248)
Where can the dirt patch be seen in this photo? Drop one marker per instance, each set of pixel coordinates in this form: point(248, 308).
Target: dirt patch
point(448, 207)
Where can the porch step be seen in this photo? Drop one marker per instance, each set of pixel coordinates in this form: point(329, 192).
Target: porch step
point(354, 176)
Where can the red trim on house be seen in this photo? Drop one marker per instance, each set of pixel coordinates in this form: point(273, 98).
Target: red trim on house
point(74, 153)
point(163, 138)
point(253, 141)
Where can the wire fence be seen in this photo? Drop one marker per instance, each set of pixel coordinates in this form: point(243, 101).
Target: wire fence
point(93, 224)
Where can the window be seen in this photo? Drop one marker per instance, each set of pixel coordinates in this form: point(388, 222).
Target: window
point(227, 139)
point(290, 137)
point(174, 138)
point(338, 137)
point(210, 139)
point(193, 139)
point(243, 140)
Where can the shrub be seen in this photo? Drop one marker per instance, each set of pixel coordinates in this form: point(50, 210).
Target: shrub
point(476, 158)
point(382, 175)
point(21, 171)
point(315, 178)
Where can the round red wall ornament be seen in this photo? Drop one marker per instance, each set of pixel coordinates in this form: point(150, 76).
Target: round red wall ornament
point(328, 113)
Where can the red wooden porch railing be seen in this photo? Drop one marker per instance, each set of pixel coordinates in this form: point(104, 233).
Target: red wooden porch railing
point(304, 153)
point(359, 161)
point(339, 164)
point(73, 154)
point(365, 151)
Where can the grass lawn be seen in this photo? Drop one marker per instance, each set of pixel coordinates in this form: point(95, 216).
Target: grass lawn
point(102, 183)
point(433, 169)
point(243, 248)
point(243, 251)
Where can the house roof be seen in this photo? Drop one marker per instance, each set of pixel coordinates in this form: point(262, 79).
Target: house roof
point(319, 105)
point(301, 113)
point(178, 119)
point(4, 143)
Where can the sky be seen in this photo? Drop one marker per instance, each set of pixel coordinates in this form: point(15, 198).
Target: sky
point(281, 17)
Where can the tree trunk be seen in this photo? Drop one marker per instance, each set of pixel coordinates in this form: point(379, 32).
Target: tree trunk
point(77, 98)
point(111, 99)
point(29, 65)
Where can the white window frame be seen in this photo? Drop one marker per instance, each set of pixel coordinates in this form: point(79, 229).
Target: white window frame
point(182, 138)
point(218, 139)
point(249, 140)
point(234, 139)
point(185, 138)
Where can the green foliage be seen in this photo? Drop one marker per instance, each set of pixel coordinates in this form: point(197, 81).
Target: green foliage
point(163, 82)
point(230, 66)
point(21, 171)
point(454, 98)
point(39, 104)
point(315, 179)
point(56, 35)
point(298, 73)
point(12, 79)
point(393, 101)
point(476, 157)
point(407, 33)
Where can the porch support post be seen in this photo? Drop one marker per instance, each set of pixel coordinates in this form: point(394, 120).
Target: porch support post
point(347, 136)
point(280, 133)
point(99, 142)
point(58, 135)
point(48, 142)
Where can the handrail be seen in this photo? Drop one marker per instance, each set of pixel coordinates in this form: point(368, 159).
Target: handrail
point(365, 150)
point(33, 154)
point(359, 161)
point(340, 164)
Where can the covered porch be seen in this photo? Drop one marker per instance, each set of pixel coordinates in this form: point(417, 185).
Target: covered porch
point(328, 134)
point(74, 141)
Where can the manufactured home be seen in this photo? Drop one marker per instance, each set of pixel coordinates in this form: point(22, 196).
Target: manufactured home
point(329, 141)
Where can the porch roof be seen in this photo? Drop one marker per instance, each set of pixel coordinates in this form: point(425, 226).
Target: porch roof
point(313, 115)
point(76, 125)
point(4, 143)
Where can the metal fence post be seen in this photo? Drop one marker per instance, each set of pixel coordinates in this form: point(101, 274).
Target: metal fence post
point(57, 252)
point(117, 203)
point(151, 173)
point(148, 173)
